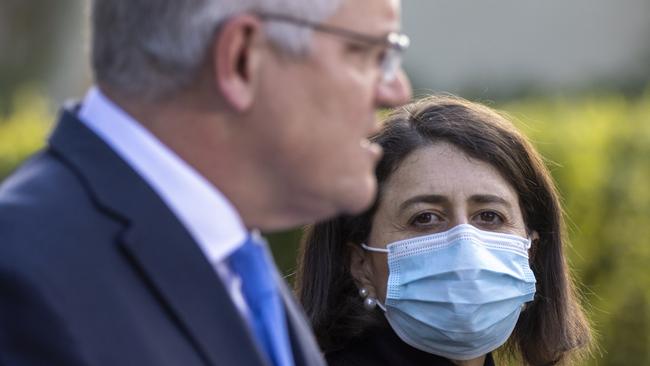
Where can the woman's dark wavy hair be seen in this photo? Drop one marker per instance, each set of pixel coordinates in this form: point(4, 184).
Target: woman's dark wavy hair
point(551, 330)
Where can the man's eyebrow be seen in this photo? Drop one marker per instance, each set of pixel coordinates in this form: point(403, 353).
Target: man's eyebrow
point(426, 198)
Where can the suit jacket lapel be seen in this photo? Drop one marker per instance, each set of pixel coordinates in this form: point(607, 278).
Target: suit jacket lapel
point(306, 351)
point(183, 278)
point(160, 247)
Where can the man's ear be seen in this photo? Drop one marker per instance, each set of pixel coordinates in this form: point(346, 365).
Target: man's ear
point(361, 269)
point(237, 52)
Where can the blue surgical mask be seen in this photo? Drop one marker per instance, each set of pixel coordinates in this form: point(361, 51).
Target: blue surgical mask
point(457, 294)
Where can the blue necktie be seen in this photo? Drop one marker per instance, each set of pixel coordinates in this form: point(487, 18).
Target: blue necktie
point(262, 295)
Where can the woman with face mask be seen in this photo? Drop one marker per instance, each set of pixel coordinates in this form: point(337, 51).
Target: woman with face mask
point(460, 256)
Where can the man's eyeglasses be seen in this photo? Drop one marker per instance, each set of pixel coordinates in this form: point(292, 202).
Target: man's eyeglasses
point(394, 44)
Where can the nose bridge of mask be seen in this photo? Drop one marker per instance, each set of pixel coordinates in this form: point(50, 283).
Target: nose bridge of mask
point(462, 261)
point(461, 234)
point(433, 241)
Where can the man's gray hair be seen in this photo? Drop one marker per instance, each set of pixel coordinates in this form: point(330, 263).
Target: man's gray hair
point(151, 48)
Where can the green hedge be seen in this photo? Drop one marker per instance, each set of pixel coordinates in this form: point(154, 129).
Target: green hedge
point(598, 148)
point(24, 131)
point(600, 152)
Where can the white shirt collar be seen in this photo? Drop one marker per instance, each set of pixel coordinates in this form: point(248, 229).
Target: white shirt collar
point(205, 212)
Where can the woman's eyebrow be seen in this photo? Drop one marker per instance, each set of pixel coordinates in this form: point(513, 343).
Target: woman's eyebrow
point(489, 198)
point(426, 198)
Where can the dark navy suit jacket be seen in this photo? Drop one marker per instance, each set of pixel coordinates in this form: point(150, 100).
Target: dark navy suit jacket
point(96, 270)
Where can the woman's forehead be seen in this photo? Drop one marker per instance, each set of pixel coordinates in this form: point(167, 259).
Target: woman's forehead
point(444, 169)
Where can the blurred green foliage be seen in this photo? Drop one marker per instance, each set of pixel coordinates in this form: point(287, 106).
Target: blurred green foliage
point(23, 131)
point(598, 148)
point(599, 152)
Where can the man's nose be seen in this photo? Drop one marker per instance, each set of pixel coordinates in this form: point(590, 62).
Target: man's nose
point(395, 92)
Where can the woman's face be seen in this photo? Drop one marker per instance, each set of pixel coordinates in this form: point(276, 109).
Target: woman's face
point(434, 189)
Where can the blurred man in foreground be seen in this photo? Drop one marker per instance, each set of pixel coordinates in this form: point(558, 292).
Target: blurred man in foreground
point(131, 239)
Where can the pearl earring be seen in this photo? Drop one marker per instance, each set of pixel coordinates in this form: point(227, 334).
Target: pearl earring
point(370, 303)
point(363, 292)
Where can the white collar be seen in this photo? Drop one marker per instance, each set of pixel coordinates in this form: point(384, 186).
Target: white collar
point(206, 213)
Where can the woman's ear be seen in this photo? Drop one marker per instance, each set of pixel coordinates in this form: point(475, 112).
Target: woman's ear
point(534, 236)
point(534, 240)
point(236, 55)
point(361, 269)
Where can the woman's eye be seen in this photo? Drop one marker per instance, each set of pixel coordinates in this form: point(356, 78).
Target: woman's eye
point(424, 219)
point(489, 217)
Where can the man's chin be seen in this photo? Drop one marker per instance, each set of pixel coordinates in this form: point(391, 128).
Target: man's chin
point(361, 200)
point(350, 199)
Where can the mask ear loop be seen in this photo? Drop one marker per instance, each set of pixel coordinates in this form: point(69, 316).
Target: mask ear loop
point(377, 250)
point(381, 306)
point(373, 249)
